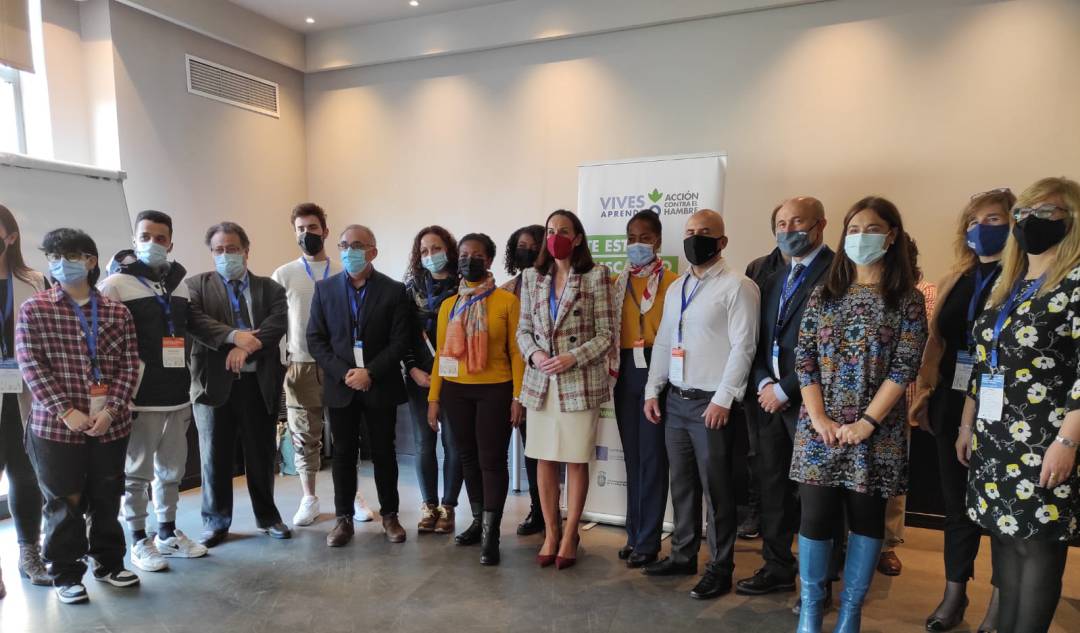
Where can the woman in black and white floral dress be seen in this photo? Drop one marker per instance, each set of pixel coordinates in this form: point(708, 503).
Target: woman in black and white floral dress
point(1021, 424)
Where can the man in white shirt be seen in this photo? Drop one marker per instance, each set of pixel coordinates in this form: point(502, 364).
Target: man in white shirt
point(701, 361)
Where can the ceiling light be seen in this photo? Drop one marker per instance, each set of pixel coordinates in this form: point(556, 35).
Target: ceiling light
point(414, 3)
point(309, 20)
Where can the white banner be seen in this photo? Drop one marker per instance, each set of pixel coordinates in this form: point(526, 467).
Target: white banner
point(609, 194)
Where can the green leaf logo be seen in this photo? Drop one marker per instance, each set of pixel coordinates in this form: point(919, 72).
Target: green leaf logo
point(655, 195)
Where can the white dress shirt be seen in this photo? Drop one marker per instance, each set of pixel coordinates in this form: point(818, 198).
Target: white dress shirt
point(719, 334)
point(805, 261)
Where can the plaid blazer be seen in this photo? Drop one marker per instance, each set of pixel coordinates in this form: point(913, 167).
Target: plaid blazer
point(582, 327)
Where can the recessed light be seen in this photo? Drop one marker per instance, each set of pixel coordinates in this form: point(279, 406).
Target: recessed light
point(309, 20)
point(414, 3)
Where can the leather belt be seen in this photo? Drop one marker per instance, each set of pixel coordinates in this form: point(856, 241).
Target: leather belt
point(692, 394)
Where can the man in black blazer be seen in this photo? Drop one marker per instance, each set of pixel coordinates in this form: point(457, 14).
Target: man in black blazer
point(359, 330)
point(799, 227)
point(236, 321)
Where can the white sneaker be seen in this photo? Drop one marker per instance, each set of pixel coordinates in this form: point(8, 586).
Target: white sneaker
point(180, 546)
point(146, 556)
point(72, 594)
point(308, 511)
point(362, 512)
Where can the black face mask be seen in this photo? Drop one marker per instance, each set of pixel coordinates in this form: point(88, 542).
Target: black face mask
point(525, 257)
point(701, 248)
point(472, 269)
point(1037, 236)
point(310, 243)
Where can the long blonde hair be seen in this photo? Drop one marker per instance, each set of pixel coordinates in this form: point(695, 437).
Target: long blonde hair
point(1068, 251)
point(966, 259)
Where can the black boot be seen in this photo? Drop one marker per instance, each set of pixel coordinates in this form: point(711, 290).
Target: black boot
point(489, 553)
point(533, 523)
point(471, 535)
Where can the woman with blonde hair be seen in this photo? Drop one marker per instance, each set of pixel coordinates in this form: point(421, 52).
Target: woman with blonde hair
point(1021, 422)
point(943, 381)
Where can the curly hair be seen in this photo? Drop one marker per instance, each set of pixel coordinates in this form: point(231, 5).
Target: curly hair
point(416, 269)
point(535, 231)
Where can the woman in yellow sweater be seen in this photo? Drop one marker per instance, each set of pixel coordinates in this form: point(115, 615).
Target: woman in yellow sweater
point(639, 293)
point(475, 383)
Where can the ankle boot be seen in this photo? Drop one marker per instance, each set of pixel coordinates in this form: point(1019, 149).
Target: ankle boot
point(862, 557)
point(489, 553)
point(471, 535)
point(813, 568)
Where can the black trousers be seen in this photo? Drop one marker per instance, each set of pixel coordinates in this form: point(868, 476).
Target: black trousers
point(752, 415)
point(245, 417)
point(1028, 575)
point(779, 502)
point(82, 485)
point(24, 496)
point(823, 507)
point(480, 418)
point(962, 535)
point(530, 474)
point(645, 455)
point(378, 425)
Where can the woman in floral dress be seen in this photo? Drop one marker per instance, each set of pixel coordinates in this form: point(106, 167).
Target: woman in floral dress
point(1021, 423)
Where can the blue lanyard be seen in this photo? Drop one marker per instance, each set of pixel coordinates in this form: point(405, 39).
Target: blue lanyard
point(89, 332)
point(553, 301)
point(454, 311)
point(980, 286)
point(430, 287)
point(357, 299)
point(1006, 310)
point(687, 300)
point(234, 299)
point(166, 306)
point(307, 267)
point(791, 286)
point(6, 315)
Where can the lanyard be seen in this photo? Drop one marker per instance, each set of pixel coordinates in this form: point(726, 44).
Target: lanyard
point(6, 315)
point(553, 301)
point(166, 306)
point(1015, 299)
point(480, 297)
point(641, 314)
point(980, 286)
point(357, 299)
point(234, 299)
point(791, 286)
point(307, 267)
point(430, 287)
point(89, 332)
point(687, 300)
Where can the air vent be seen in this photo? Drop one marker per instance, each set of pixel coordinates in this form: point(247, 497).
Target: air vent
point(228, 85)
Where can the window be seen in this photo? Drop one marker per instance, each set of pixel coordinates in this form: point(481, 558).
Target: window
point(12, 127)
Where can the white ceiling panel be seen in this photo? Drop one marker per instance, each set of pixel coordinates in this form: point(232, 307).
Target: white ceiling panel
point(332, 14)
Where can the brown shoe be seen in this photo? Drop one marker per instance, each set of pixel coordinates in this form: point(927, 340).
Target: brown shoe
point(394, 532)
point(889, 564)
point(428, 517)
point(341, 534)
point(445, 524)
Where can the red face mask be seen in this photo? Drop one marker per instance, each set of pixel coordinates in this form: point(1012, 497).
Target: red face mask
point(559, 246)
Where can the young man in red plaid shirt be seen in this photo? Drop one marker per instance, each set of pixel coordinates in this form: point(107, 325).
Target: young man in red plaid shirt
point(78, 355)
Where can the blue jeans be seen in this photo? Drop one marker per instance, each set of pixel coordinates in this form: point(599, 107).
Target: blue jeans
point(427, 462)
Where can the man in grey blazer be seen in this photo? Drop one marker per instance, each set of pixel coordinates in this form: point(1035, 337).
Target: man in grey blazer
point(236, 322)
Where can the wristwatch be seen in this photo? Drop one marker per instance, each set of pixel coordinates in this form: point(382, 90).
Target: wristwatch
point(1061, 439)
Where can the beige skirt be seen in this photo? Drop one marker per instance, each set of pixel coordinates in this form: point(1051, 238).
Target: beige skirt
point(556, 436)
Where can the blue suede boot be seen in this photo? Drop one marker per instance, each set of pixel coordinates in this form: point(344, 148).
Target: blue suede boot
point(862, 557)
point(813, 569)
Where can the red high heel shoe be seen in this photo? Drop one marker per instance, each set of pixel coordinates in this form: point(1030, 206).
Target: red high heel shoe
point(547, 560)
point(568, 562)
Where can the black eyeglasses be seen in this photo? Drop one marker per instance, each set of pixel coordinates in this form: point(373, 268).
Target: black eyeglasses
point(1043, 212)
point(356, 246)
point(52, 258)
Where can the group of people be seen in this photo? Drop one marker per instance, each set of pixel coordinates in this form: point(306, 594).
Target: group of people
point(107, 374)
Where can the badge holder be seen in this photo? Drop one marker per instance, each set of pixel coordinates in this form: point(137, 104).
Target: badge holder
point(10, 376)
point(358, 354)
point(639, 354)
point(172, 352)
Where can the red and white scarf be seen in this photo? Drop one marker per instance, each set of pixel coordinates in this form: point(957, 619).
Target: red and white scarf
point(654, 271)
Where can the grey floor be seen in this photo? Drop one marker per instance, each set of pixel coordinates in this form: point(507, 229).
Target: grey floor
point(258, 585)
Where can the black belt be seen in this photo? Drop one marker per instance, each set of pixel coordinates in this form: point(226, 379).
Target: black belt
point(692, 394)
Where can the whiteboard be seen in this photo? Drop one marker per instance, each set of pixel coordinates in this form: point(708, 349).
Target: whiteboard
point(46, 195)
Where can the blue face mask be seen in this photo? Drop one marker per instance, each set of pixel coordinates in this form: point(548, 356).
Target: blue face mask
point(151, 253)
point(230, 265)
point(434, 263)
point(353, 260)
point(640, 254)
point(865, 248)
point(987, 239)
point(67, 272)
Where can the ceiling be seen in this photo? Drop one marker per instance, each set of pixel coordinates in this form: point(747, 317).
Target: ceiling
point(332, 14)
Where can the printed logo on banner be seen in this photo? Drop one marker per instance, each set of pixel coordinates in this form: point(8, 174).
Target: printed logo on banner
point(601, 453)
point(625, 206)
point(601, 479)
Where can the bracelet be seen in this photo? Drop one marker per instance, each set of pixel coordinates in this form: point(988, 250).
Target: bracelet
point(1061, 439)
point(874, 422)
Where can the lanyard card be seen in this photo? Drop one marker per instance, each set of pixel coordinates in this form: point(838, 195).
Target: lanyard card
point(448, 367)
point(677, 369)
point(776, 361)
point(358, 354)
point(965, 363)
point(10, 377)
point(639, 354)
point(98, 392)
point(991, 397)
point(172, 351)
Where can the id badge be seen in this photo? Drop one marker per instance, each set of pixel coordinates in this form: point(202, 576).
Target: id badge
point(776, 361)
point(172, 352)
point(639, 354)
point(991, 397)
point(98, 393)
point(678, 361)
point(358, 354)
point(448, 367)
point(10, 376)
point(965, 363)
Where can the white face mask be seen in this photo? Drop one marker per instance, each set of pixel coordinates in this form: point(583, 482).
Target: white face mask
point(865, 248)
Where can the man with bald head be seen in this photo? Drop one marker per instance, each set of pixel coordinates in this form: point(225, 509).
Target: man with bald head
point(358, 331)
point(701, 361)
point(799, 226)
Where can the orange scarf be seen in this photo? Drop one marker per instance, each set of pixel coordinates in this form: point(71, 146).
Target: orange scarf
point(467, 330)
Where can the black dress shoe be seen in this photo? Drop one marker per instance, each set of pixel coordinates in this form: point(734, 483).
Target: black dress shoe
point(213, 538)
point(668, 567)
point(763, 582)
point(625, 551)
point(533, 523)
point(278, 530)
point(640, 560)
point(712, 585)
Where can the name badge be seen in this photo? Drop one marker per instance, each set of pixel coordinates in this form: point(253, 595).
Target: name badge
point(639, 354)
point(965, 363)
point(358, 354)
point(678, 360)
point(10, 376)
point(98, 394)
point(172, 352)
point(448, 367)
point(991, 397)
point(776, 361)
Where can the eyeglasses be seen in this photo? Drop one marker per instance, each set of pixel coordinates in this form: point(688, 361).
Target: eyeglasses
point(991, 192)
point(1043, 212)
point(227, 250)
point(52, 258)
point(356, 246)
